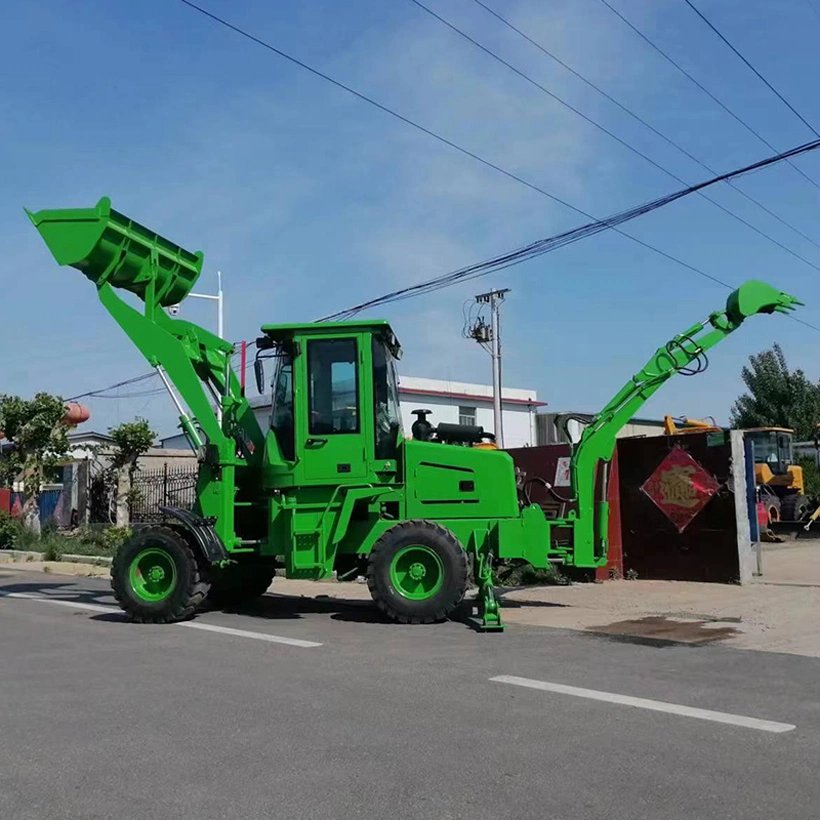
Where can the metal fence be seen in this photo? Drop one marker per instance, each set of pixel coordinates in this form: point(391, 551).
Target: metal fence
point(164, 487)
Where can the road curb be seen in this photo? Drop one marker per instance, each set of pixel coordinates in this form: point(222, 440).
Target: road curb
point(23, 556)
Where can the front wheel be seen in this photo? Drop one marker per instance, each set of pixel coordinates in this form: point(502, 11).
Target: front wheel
point(417, 572)
point(156, 578)
point(794, 507)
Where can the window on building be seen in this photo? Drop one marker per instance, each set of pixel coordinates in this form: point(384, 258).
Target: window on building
point(466, 415)
point(333, 386)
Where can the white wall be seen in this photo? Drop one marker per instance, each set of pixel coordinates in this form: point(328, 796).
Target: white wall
point(519, 419)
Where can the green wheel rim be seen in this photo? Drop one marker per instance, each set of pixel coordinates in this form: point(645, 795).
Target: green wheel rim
point(416, 572)
point(153, 574)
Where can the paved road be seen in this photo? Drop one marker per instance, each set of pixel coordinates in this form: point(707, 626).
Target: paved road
point(102, 718)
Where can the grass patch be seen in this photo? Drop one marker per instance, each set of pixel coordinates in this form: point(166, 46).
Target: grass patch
point(52, 546)
point(97, 542)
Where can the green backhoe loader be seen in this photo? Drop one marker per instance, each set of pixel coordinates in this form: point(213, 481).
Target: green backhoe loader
point(334, 485)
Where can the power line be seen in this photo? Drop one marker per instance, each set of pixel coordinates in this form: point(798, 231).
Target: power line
point(640, 119)
point(703, 88)
point(134, 380)
point(371, 101)
point(515, 257)
point(542, 246)
point(756, 72)
point(97, 393)
point(609, 133)
point(438, 137)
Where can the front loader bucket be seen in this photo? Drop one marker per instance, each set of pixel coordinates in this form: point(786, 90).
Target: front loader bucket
point(109, 247)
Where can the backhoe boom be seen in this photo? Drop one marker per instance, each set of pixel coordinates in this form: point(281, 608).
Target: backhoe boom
point(685, 353)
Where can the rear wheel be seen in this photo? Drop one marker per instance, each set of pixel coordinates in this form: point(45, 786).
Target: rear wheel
point(417, 572)
point(794, 507)
point(238, 585)
point(156, 578)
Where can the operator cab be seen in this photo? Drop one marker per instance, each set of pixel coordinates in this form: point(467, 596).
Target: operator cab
point(773, 446)
point(335, 398)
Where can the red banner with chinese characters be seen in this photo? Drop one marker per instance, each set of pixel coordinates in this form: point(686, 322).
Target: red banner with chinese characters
point(680, 488)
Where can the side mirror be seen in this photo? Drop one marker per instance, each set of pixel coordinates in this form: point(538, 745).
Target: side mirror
point(259, 372)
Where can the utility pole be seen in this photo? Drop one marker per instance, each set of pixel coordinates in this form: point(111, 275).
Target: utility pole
point(492, 335)
point(220, 327)
point(220, 322)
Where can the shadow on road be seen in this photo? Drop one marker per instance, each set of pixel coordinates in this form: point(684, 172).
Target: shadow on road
point(65, 591)
point(273, 606)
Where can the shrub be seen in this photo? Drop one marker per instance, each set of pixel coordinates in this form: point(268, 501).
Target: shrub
point(520, 573)
point(52, 546)
point(9, 531)
point(811, 475)
point(27, 539)
point(112, 538)
point(99, 541)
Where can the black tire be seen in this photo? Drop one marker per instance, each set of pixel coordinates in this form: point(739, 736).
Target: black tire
point(794, 507)
point(182, 601)
point(453, 566)
point(237, 585)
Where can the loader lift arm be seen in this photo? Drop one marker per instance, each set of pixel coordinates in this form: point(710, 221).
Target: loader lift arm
point(685, 354)
point(116, 252)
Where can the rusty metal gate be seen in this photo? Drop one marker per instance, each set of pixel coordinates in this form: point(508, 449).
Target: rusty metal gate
point(705, 549)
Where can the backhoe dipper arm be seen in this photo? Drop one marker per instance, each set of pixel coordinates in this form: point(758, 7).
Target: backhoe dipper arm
point(682, 354)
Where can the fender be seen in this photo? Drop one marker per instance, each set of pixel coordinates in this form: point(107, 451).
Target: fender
point(202, 531)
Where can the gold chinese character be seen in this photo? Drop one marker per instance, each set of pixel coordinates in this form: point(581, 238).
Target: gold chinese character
point(677, 488)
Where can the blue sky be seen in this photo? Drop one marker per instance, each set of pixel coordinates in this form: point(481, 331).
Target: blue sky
point(309, 200)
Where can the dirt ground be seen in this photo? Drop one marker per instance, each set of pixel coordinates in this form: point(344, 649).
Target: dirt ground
point(779, 612)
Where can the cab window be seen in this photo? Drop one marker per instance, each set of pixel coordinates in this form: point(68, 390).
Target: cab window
point(282, 410)
point(333, 386)
point(387, 420)
point(784, 446)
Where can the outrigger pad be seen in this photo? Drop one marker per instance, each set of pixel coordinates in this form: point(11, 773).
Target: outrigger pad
point(107, 246)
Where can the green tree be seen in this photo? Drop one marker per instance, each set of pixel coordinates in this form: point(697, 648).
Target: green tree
point(131, 440)
point(778, 396)
point(39, 441)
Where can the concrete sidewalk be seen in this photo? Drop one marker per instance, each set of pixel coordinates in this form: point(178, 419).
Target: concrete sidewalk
point(779, 612)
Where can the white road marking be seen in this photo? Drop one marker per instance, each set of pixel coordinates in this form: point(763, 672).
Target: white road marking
point(243, 633)
point(59, 601)
point(644, 703)
point(225, 630)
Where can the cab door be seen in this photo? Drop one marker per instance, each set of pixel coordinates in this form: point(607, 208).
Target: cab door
point(334, 442)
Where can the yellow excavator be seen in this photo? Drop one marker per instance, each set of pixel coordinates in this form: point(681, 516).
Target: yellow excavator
point(778, 477)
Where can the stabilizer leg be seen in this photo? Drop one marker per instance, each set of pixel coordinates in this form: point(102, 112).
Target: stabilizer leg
point(489, 609)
